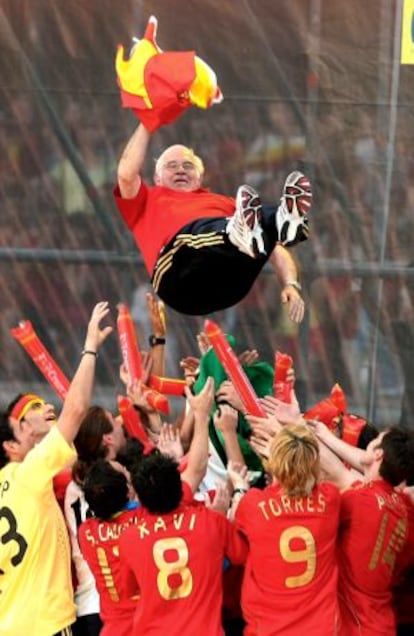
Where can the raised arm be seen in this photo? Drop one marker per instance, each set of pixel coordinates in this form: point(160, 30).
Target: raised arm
point(225, 420)
point(79, 395)
point(156, 313)
point(349, 454)
point(131, 162)
point(201, 405)
point(287, 273)
point(333, 469)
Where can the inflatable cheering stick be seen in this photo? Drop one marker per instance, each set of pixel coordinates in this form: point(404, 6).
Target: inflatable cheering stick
point(27, 337)
point(233, 368)
point(132, 359)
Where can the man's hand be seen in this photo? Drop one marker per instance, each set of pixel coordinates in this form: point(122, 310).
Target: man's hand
point(202, 403)
point(203, 342)
point(225, 419)
point(237, 474)
point(190, 367)
point(270, 424)
point(248, 357)
point(228, 393)
point(261, 445)
point(285, 413)
point(221, 501)
point(169, 442)
point(295, 303)
point(137, 396)
point(95, 335)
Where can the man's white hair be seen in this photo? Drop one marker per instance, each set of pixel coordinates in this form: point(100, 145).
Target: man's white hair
point(191, 156)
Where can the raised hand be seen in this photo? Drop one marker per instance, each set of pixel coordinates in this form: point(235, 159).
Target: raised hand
point(248, 357)
point(237, 474)
point(190, 367)
point(285, 413)
point(96, 335)
point(202, 403)
point(226, 419)
point(228, 393)
point(221, 501)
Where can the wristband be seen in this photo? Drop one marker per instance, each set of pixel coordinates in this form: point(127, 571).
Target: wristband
point(241, 491)
point(295, 284)
point(156, 340)
point(90, 352)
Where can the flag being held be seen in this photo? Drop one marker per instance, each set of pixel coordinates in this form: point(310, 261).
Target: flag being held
point(159, 86)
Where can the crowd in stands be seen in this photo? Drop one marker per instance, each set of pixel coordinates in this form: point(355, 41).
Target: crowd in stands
point(217, 522)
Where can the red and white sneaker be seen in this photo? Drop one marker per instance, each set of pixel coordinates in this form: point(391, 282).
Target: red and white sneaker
point(291, 216)
point(244, 228)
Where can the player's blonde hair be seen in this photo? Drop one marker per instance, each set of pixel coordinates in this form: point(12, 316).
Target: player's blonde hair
point(191, 155)
point(294, 459)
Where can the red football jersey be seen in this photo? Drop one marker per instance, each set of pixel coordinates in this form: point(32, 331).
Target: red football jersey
point(177, 561)
point(372, 550)
point(99, 542)
point(156, 214)
point(290, 584)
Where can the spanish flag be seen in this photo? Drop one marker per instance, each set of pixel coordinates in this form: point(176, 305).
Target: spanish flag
point(159, 86)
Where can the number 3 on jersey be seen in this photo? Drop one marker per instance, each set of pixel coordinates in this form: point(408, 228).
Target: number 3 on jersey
point(306, 555)
point(171, 558)
point(11, 535)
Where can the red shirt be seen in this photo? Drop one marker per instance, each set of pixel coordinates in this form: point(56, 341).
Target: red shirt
point(373, 536)
point(156, 214)
point(177, 560)
point(99, 541)
point(290, 582)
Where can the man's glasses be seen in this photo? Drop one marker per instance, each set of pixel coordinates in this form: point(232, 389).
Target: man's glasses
point(187, 166)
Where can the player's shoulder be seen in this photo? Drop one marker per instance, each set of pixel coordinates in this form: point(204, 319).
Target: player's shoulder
point(328, 489)
point(358, 490)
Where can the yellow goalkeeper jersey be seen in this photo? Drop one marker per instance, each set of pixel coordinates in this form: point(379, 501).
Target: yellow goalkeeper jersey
point(36, 597)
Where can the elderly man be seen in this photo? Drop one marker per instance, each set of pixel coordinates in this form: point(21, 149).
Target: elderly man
point(203, 250)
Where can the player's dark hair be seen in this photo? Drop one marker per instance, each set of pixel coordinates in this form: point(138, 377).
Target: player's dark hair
point(367, 434)
point(88, 441)
point(6, 434)
point(105, 489)
point(157, 482)
point(131, 454)
point(398, 460)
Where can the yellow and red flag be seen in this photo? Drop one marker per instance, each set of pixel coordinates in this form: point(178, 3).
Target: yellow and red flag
point(159, 86)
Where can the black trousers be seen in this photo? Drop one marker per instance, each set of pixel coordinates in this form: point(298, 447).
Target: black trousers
point(199, 271)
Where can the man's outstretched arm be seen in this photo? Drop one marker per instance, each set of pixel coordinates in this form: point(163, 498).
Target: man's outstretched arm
point(131, 162)
point(287, 274)
point(79, 396)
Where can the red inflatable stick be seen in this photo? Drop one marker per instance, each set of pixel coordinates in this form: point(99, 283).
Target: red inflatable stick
point(132, 359)
point(128, 343)
point(27, 337)
point(233, 369)
point(132, 423)
point(167, 386)
point(281, 387)
point(158, 401)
